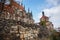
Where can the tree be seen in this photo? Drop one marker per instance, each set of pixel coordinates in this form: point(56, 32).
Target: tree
point(43, 23)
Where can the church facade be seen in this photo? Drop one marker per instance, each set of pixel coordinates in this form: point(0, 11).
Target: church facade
point(20, 23)
point(17, 12)
point(44, 21)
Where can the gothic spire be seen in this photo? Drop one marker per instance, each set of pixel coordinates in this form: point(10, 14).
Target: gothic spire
point(31, 13)
point(11, 1)
point(21, 3)
point(28, 10)
point(24, 7)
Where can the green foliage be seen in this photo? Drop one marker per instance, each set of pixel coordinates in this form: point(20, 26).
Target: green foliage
point(43, 23)
point(54, 37)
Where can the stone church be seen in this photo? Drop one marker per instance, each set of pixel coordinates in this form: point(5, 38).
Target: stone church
point(16, 11)
point(19, 24)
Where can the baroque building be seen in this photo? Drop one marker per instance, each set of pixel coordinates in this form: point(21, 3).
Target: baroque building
point(19, 24)
point(44, 21)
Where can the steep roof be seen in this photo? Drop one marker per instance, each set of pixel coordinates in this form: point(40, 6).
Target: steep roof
point(44, 17)
point(17, 5)
point(8, 8)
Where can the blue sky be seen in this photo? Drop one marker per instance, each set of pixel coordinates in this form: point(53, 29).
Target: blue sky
point(50, 7)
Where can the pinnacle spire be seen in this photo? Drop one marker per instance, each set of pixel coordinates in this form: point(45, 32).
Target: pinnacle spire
point(21, 3)
point(24, 6)
point(31, 13)
point(28, 10)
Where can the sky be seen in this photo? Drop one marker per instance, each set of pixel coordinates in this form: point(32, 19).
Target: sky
point(50, 7)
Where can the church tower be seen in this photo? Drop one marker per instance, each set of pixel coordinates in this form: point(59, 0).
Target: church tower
point(44, 21)
point(44, 18)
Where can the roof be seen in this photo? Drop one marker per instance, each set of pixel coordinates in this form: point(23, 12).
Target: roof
point(44, 17)
point(8, 8)
point(17, 5)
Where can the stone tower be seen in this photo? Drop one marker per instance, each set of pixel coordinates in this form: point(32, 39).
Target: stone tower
point(44, 21)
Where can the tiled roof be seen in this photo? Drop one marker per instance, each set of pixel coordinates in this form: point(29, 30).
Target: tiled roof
point(8, 8)
point(44, 17)
point(18, 5)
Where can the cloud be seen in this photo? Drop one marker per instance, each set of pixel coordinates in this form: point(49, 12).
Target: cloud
point(53, 2)
point(54, 15)
point(52, 12)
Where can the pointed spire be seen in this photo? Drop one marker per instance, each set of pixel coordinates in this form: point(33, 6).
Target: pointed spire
point(28, 10)
point(43, 13)
point(21, 3)
point(31, 13)
point(11, 1)
point(24, 7)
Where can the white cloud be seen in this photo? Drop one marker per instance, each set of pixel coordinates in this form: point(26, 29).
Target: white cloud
point(54, 14)
point(53, 2)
